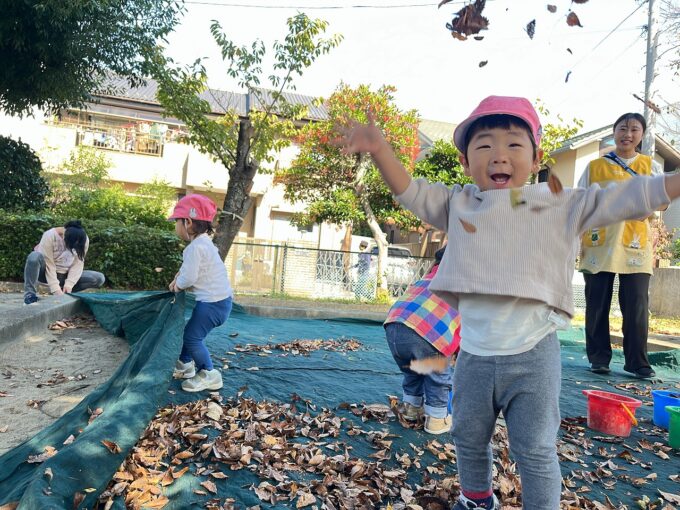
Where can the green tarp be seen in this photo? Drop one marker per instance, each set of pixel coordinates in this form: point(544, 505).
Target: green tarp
point(153, 324)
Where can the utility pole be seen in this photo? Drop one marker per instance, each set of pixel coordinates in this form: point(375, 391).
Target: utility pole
point(648, 145)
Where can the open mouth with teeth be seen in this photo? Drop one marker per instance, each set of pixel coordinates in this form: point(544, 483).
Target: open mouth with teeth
point(500, 179)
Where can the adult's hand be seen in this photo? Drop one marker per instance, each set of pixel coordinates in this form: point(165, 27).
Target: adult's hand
point(58, 292)
point(67, 289)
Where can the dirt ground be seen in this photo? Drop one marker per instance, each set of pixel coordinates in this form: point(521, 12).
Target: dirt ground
point(44, 376)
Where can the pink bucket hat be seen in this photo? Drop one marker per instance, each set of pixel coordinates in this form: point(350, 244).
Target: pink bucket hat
point(500, 105)
point(195, 207)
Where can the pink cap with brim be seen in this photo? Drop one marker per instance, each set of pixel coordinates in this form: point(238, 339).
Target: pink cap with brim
point(500, 105)
point(195, 207)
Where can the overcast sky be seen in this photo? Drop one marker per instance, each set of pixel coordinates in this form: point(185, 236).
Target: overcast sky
point(410, 48)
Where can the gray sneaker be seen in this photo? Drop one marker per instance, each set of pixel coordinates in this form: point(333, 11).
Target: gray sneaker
point(203, 380)
point(464, 503)
point(184, 370)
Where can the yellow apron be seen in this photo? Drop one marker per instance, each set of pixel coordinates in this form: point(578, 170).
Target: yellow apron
point(624, 247)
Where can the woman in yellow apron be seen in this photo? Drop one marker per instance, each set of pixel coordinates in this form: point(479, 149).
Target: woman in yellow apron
point(623, 248)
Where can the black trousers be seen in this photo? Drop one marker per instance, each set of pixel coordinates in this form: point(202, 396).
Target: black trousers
point(634, 303)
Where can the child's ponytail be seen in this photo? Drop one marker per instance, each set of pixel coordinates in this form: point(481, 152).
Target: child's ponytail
point(75, 238)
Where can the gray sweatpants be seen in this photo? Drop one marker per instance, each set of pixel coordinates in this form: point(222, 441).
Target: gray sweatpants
point(34, 273)
point(526, 387)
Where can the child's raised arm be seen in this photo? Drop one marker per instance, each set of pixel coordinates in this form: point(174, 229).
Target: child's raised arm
point(368, 138)
point(672, 183)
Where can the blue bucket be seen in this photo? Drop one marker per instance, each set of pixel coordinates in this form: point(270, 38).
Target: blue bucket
point(663, 398)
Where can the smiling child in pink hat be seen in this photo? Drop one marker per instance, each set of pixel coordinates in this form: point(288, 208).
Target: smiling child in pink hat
point(507, 270)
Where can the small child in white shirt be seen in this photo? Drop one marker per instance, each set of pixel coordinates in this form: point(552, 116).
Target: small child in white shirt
point(204, 273)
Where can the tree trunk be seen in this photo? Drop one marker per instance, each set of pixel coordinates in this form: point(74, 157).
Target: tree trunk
point(237, 202)
point(378, 235)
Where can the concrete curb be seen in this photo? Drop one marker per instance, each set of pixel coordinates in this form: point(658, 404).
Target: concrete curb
point(655, 342)
point(283, 312)
point(28, 321)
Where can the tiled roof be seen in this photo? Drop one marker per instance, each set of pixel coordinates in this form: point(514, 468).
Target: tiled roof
point(219, 100)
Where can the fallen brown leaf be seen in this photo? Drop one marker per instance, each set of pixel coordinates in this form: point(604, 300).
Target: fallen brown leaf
point(111, 446)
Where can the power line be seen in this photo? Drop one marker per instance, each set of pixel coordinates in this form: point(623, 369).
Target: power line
point(316, 7)
point(608, 35)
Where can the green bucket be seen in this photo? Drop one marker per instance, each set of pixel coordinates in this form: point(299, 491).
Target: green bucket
point(674, 427)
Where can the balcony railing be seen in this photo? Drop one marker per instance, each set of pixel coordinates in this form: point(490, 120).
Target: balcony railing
point(121, 140)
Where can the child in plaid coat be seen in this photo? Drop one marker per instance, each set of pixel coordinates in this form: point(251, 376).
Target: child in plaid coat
point(421, 325)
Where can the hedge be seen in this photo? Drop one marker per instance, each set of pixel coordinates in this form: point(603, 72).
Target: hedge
point(131, 257)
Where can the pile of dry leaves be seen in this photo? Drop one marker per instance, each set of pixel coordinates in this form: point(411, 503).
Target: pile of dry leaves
point(301, 460)
point(75, 322)
point(303, 346)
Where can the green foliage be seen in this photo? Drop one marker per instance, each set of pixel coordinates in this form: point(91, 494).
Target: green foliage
point(80, 190)
point(333, 183)
point(55, 54)
point(22, 185)
point(127, 255)
point(676, 251)
point(554, 135)
point(442, 165)
point(114, 204)
point(271, 115)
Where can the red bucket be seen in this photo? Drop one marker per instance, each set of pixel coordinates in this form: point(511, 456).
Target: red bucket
point(611, 413)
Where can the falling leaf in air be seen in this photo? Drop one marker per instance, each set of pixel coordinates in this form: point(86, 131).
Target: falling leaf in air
point(566, 79)
point(483, 63)
point(443, 2)
point(468, 20)
point(429, 365)
point(233, 335)
point(158, 269)
point(4, 429)
point(570, 52)
point(552, 8)
point(48, 474)
point(531, 28)
point(468, 227)
point(579, 1)
point(478, 37)
point(111, 446)
point(572, 20)
point(554, 184)
point(516, 198)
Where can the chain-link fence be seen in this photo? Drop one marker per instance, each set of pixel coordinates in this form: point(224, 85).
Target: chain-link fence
point(298, 270)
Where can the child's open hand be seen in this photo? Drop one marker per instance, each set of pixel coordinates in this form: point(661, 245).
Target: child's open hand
point(356, 137)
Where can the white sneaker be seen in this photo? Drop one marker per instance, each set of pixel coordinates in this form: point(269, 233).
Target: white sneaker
point(203, 380)
point(184, 370)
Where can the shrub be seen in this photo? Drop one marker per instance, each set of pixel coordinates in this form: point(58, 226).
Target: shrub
point(23, 187)
point(81, 189)
point(114, 203)
point(131, 257)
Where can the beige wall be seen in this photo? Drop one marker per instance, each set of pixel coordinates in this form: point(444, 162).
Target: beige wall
point(188, 170)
